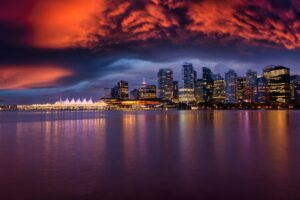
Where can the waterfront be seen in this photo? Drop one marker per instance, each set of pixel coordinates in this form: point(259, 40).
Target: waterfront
point(150, 155)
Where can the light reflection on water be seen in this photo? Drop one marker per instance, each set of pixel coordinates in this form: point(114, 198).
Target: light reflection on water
point(146, 155)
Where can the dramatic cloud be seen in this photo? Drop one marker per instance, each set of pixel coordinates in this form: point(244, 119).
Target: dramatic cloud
point(26, 77)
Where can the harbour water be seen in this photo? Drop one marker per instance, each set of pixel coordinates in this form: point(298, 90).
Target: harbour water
point(150, 155)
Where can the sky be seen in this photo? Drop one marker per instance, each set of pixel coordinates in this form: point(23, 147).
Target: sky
point(51, 49)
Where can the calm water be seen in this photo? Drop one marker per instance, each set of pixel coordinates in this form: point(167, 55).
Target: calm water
point(150, 155)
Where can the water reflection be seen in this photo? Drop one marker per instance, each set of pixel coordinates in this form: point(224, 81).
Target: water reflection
point(93, 151)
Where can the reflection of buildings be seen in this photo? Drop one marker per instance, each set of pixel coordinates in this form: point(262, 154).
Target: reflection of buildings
point(278, 83)
point(187, 89)
point(165, 84)
point(231, 86)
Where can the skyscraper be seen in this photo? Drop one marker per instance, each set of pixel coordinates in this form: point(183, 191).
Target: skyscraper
point(260, 91)
point(219, 94)
point(175, 98)
point(187, 89)
point(241, 87)
point(208, 82)
point(123, 89)
point(278, 84)
point(165, 84)
point(199, 91)
point(147, 91)
point(251, 84)
point(231, 86)
point(295, 86)
point(120, 91)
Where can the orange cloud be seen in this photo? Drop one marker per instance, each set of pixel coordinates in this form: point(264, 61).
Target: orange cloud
point(63, 23)
point(26, 77)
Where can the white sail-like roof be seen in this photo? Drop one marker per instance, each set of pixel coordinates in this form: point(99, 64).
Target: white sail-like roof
point(90, 101)
point(84, 101)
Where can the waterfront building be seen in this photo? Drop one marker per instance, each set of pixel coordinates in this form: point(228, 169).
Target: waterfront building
point(295, 83)
point(219, 93)
point(251, 84)
point(241, 87)
point(120, 91)
point(115, 92)
point(208, 82)
point(260, 91)
point(199, 93)
point(147, 91)
point(135, 94)
point(123, 89)
point(278, 84)
point(187, 89)
point(175, 98)
point(231, 86)
point(165, 84)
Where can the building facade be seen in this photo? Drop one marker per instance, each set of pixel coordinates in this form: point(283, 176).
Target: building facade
point(231, 86)
point(208, 83)
point(278, 84)
point(165, 84)
point(187, 88)
point(219, 93)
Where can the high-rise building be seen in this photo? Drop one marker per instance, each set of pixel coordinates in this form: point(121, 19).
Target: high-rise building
point(295, 83)
point(147, 91)
point(135, 94)
point(120, 91)
point(199, 91)
point(123, 89)
point(165, 84)
point(231, 86)
point(187, 89)
point(251, 84)
point(278, 84)
point(208, 83)
point(241, 87)
point(115, 92)
point(260, 91)
point(219, 94)
point(175, 98)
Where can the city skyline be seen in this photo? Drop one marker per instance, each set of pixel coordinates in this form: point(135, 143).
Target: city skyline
point(44, 54)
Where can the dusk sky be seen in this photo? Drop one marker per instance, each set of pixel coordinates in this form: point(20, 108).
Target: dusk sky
point(75, 48)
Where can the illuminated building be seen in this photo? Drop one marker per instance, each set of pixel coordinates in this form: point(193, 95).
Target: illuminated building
point(165, 84)
point(123, 90)
point(175, 98)
point(260, 91)
point(187, 89)
point(208, 82)
point(295, 89)
point(199, 95)
point(231, 86)
point(219, 94)
point(241, 86)
point(251, 84)
point(278, 84)
point(120, 91)
point(147, 91)
point(135, 94)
